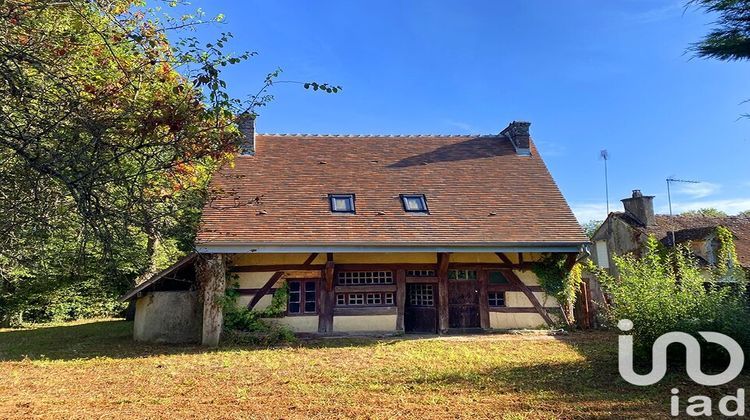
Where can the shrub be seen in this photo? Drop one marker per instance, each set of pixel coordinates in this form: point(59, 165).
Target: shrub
point(246, 326)
point(559, 282)
point(665, 291)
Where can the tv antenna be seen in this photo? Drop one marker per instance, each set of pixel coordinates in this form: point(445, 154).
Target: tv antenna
point(604, 154)
point(669, 197)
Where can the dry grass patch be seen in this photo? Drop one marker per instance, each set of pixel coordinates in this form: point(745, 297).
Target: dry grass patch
point(87, 370)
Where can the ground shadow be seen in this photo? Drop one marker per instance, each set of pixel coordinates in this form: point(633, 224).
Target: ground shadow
point(475, 148)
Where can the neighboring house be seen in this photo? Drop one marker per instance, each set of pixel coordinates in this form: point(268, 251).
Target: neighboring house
point(626, 232)
point(420, 233)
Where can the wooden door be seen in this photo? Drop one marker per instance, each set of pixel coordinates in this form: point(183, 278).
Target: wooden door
point(420, 312)
point(463, 304)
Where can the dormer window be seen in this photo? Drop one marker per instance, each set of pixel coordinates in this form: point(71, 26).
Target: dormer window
point(342, 203)
point(416, 203)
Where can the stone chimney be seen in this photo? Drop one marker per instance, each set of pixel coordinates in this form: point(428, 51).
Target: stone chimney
point(246, 124)
point(518, 133)
point(640, 207)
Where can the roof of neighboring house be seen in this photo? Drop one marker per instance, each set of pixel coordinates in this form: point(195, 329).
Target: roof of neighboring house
point(478, 190)
point(697, 227)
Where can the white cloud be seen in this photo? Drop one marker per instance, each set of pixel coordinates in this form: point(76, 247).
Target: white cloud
point(699, 190)
point(729, 206)
point(585, 212)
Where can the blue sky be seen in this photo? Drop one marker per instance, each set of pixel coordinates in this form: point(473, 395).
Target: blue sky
point(589, 75)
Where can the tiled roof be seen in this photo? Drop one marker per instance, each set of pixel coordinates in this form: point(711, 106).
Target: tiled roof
point(478, 190)
point(696, 227)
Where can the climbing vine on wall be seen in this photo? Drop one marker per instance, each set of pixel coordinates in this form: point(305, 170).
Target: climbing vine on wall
point(559, 282)
point(727, 264)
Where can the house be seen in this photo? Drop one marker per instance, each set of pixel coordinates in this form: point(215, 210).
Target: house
point(626, 232)
point(413, 233)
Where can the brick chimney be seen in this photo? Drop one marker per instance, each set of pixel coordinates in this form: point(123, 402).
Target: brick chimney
point(640, 207)
point(518, 133)
point(246, 124)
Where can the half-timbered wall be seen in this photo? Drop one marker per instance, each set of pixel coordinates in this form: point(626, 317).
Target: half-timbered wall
point(257, 276)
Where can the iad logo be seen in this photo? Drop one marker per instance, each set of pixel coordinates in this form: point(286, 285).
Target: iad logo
point(699, 405)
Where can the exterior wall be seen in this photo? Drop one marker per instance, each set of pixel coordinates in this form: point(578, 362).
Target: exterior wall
point(298, 324)
point(364, 323)
point(251, 282)
point(505, 321)
point(168, 317)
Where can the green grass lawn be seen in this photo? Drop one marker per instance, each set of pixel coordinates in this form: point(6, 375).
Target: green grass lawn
point(94, 369)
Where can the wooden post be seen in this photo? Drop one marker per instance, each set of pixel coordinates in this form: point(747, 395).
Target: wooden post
point(213, 282)
point(325, 318)
point(442, 272)
point(400, 298)
point(484, 302)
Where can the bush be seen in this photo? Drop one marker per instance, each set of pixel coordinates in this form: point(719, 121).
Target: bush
point(665, 291)
point(245, 326)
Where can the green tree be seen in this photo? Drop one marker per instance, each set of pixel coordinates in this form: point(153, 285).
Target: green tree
point(665, 290)
point(708, 212)
point(729, 39)
point(591, 226)
point(109, 133)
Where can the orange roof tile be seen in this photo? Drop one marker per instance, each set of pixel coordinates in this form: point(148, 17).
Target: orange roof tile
point(478, 190)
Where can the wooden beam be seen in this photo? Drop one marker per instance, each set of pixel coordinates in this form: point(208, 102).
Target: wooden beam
point(378, 266)
point(484, 304)
point(252, 291)
point(367, 288)
point(442, 272)
point(372, 310)
point(275, 268)
point(310, 259)
point(511, 287)
point(264, 290)
point(400, 298)
point(507, 310)
point(384, 266)
point(325, 317)
point(513, 278)
point(422, 280)
point(504, 258)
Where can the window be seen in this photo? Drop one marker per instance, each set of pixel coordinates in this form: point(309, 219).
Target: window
point(496, 298)
point(352, 278)
point(342, 203)
point(356, 299)
point(303, 298)
point(497, 277)
point(421, 295)
point(365, 299)
point(414, 202)
point(374, 299)
point(462, 275)
point(388, 298)
point(602, 256)
point(420, 273)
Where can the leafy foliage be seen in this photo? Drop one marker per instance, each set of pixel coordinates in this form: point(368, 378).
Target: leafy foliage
point(665, 291)
point(246, 326)
point(558, 281)
point(591, 226)
point(708, 212)
point(109, 134)
point(730, 37)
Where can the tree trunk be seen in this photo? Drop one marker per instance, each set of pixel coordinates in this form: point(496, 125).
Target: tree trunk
point(211, 273)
